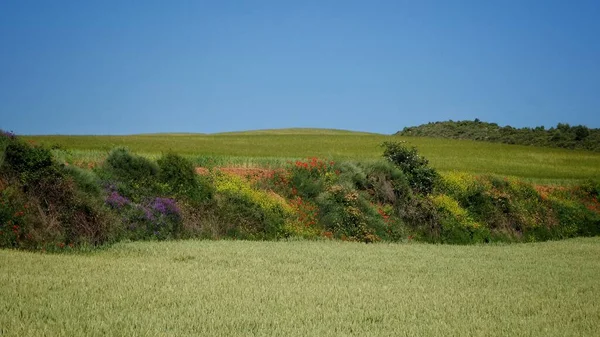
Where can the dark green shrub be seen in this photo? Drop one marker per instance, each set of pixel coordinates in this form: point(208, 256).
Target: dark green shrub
point(591, 188)
point(421, 176)
point(309, 178)
point(29, 164)
point(58, 203)
point(131, 167)
point(179, 176)
point(386, 183)
point(352, 174)
point(135, 177)
point(346, 213)
point(15, 217)
point(421, 218)
point(86, 180)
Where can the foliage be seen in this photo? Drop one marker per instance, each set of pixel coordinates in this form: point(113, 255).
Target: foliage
point(563, 135)
point(136, 177)
point(513, 210)
point(420, 175)
point(456, 223)
point(255, 214)
point(48, 205)
point(343, 196)
point(346, 213)
point(155, 219)
point(385, 182)
point(30, 164)
point(179, 175)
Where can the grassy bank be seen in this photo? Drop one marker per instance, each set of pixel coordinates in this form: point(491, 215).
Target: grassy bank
point(327, 288)
point(275, 147)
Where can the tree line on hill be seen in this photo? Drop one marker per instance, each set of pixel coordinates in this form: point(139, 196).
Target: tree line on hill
point(578, 137)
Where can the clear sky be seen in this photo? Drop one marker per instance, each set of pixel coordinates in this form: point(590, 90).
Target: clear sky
point(121, 67)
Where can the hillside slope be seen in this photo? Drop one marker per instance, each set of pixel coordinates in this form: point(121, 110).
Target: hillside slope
point(563, 135)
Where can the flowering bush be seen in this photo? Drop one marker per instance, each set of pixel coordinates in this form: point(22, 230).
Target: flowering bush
point(159, 218)
point(457, 226)
point(12, 219)
point(308, 178)
point(257, 214)
point(305, 218)
point(348, 215)
point(115, 200)
point(166, 207)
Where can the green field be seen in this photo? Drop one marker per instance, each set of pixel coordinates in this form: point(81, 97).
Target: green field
point(304, 288)
point(275, 147)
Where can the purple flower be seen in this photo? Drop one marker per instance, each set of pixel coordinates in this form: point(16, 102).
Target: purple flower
point(7, 134)
point(147, 213)
point(116, 200)
point(165, 206)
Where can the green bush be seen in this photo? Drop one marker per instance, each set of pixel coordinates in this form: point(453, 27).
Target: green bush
point(254, 214)
point(180, 178)
point(15, 217)
point(591, 188)
point(135, 177)
point(51, 205)
point(310, 177)
point(29, 164)
point(131, 167)
point(86, 180)
point(563, 135)
point(457, 225)
point(386, 183)
point(421, 176)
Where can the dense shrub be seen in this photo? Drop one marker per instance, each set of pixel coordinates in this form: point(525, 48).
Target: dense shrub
point(47, 204)
point(591, 188)
point(456, 224)
point(347, 197)
point(310, 177)
point(420, 175)
point(180, 178)
point(386, 183)
point(30, 164)
point(134, 176)
point(514, 210)
point(255, 214)
point(156, 218)
point(346, 213)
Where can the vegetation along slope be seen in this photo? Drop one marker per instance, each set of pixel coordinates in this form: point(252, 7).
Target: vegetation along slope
point(49, 204)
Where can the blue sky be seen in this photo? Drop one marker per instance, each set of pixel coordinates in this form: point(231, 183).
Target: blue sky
point(122, 67)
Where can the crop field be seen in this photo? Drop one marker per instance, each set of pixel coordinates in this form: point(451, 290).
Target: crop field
point(304, 288)
point(276, 147)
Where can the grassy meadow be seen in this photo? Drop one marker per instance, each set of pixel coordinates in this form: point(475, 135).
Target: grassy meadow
point(304, 288)
point(276, 147)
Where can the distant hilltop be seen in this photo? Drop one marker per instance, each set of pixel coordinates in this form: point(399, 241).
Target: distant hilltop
point(578, 137)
